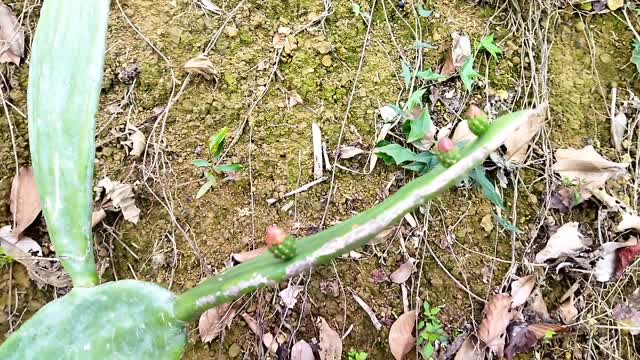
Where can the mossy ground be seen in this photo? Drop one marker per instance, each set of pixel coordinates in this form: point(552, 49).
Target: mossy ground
point(280, 150)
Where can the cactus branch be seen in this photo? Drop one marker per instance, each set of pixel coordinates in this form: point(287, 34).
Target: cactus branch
point(322, 247)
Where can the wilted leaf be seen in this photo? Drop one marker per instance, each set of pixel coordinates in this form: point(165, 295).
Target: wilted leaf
point(521, 289)
point(567, 241)
point(536, 304)
point(201, 65)
point(289, 296)
point(213, 321)
point(626, 257)
point(403, 272)
point(587, 166)
point(118, 197)
point(618, 129)
point(208, 5)
point(394, 154)
point(249, 255)
point(330, 342)
point(568, 311)
point(137, 141)
point(401, 339)
point(541, 330)
point(497, 316)
point(615, 4)
point(564, 199)
point(518, 143)
point(388, 113)
point(629, 220)
point(521, 340)
point(471, 349)
point(302, 351)
point(11, 36)
point(25, 202)
point(460, 52)
point(607, 263)
point(628, 315)
point(347, 152)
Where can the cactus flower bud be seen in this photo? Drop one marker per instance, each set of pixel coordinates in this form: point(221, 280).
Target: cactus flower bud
point(445, 145)
point(275, 236)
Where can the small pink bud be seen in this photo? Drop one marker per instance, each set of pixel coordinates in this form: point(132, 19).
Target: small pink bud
point(474, 111)
point(445, 145)
point(275, 236)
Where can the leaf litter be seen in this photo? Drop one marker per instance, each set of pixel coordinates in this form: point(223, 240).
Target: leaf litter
point(24, 200)
point(213, 322)
point(401, 339)
point(11, 36)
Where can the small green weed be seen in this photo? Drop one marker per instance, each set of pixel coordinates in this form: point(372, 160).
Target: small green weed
point(430, 331)
point(4, 258)
point(216, 145)
point(357, 355)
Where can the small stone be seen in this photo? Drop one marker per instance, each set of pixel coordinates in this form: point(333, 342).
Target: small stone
point(234, 350)
point(231, 30)
point(323, 47)
point(579, 26)
point(605, 58)
point(487, 223)
point(326, 60)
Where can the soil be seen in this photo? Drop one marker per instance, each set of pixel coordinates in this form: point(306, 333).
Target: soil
point(275, 149)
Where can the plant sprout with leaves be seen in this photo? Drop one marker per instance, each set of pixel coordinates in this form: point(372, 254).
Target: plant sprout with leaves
point(216, 145)
point(430, 331)
point(357, 355)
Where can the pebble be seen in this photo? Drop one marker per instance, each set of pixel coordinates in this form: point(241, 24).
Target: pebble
point(234, 350)
point(326, 60)
point(323, 47)
point(605, 58)
point(231, 30)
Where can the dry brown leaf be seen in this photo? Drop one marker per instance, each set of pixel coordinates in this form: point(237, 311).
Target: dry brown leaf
point(267, 338)
point(628, 314)
point(460, 52)
point(201, 65)
point(138, 142)
point(568, 311)
point(347, 152)
point(462, 133)
point(605, 267)
point(521, 289)
point(518, 143)
point(403, 272)
point(471, 349)
point(618, 129)
point(249, 255)
point(25, 202)
point(41, 272)
point(11, 36)
point(587, 166)
point(536, 304)
point(302, 351)
point(521, 339)
point(118, 197)
point(289, 296)
point(497, 316)
point(330, 342)
point(401, 339)
point(566, 241)
point(213, 321)
point(542, 329)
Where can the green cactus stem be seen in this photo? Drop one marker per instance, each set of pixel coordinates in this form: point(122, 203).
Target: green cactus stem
point(478, 125)
point(286, 250)
point(322, 247)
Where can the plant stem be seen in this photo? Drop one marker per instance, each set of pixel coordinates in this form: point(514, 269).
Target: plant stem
point(320, 248)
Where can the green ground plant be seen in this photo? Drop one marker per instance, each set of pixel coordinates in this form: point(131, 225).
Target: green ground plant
point(430, 331)
point(131, 319)
point(357, 355)
point(215, 146)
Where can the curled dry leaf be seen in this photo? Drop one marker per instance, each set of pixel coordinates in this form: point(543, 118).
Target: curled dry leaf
point(605, 267)
point(628, 314)
point(41, 272)
point(347, 152)
point(213, 321)
point(471, 349)
point(201, 65)
point(137, 142)
point(462, 133)
point(249, 255)
point(401, 339)
point(497, 316)
point(541, 330)
point(568, 311)
point(267, 338)
point(25, 202)
point(536, 304)
point(587, 166)
point(521, 339)
point(403, 272)
point(618, 129)
point(302, 351)
point(518, 143)
point(626, 257)
point(118, 197)
point(330, 342)
point(289, 296)
point(11, 36)
point(566, 241)
point(460, 52)
point(521, 289)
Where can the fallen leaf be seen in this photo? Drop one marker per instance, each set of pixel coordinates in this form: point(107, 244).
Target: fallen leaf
point(618, 129)
point(471, 349)
point(521, 289)
point(536, 304)
point(378, 276)
point(25, 202)
point(403, 272)
point(628, 314)
point(564, 199)
point(566, 241)
point(249, 255)
point(587, 167)
point(497, 316)
point(208, 5)
point(302, 351)
point(460, 52)
point(347, 152)
point(388, 113)
point(462, 133)
point(294, 99)
point(138, 142)
point(41, 272)
point(518, 143)
point(401, 339)
point(330, 342)
point(568, 311)
point(289, 296)
point(607, 263)
point(118, 197)
point(541, 330)
point(280, 37)
point(521, 340)
point(625, 257)
point(201, 65)
point(267, 338)
point(11, 36)
point(213, 321)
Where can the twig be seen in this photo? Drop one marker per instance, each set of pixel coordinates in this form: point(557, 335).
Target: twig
point(305, 187)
